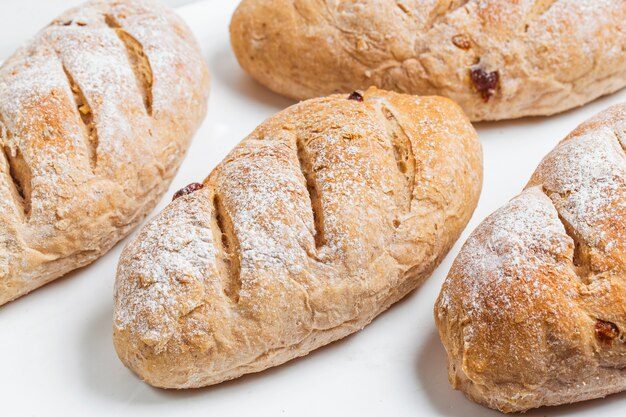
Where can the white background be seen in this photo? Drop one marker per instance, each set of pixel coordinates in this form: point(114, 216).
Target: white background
point(56, 354)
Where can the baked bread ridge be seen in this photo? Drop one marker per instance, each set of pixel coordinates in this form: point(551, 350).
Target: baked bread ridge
point(497, 59)
point(96, 113)
point(532, 311)
point(323, 217)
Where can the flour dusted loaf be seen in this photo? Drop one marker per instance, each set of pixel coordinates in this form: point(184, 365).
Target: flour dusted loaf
point(328, 213)
point(497, 59)
point(96, 113)
point(533, 312)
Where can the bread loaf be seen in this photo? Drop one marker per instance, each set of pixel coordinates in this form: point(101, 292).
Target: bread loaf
point(497, 59)
point(328, 213)
point(533, 310)
point(96, 113)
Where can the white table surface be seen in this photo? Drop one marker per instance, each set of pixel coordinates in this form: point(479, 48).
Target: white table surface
point(56, 354)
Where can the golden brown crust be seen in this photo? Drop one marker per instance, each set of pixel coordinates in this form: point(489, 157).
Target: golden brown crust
point(497, 59)
point(96, 113)
point(532, 312)
point(323, 217)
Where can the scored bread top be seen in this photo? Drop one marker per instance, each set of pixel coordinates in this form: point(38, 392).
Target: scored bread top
point(320, 219)
point(96, 113)
point(497, 59)
point(533, 311)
